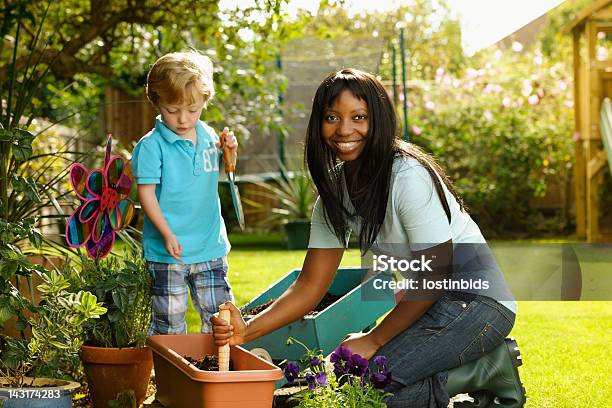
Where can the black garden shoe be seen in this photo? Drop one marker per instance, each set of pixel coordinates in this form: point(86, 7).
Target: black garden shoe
point(493, 379)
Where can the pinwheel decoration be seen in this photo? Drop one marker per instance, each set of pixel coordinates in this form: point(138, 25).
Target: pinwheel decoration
point(104, 207)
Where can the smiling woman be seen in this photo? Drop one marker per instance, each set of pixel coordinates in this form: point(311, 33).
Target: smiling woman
point(345, 126)
point(438, 342)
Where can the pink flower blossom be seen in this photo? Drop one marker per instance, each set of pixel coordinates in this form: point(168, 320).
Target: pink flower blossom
point(498, 54)
point(520, 101)
point(562, 84)
point(527, 88)
point(517, 46)
point(416, 131)
point(576, 136)
point(471, 73)
point(533, 99)
point(429, 105)
point(602, 53)
point(568, 103)
point(506, 102)
point(439, 72)
point(601, 35)
point(488, 115)
point(538, 58)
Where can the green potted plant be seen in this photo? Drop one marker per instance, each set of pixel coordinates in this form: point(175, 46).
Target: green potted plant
point(34, 371)
point(295, 196)
point(114, 355)
point(30, 183)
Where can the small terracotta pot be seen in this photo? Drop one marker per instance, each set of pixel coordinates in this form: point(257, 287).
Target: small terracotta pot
point(180, 384)
point(113, 370)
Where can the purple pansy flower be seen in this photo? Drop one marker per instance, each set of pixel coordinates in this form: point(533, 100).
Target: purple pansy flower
point(381, 379)
point(310, 379)
point(321, 378)
point(316, 363)
point(340, 369)
point(357, 365)
point(341, 353)
point(380, 361)
point(292, 372)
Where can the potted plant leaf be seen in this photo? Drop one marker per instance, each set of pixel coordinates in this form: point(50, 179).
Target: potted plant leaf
point(31, 370)
point(114, 354)
point(295, 196)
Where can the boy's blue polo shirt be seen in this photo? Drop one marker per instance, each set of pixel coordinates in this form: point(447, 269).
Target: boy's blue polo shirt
point(186, 179)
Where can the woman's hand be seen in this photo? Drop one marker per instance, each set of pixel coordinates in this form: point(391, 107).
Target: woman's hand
point(234, 332)
point(361, 343)
point(229, 144)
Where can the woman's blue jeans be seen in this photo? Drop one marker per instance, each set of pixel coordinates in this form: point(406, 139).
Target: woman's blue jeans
point(454, 331)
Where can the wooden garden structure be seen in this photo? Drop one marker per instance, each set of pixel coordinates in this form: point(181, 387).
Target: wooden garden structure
point(592, 83)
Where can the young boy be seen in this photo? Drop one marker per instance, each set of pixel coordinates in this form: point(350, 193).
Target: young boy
point(176, 166)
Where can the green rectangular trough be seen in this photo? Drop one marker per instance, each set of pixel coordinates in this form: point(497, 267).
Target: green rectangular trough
point(359, 307)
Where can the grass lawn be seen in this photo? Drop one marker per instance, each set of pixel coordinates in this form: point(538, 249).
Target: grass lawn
point(565, 345)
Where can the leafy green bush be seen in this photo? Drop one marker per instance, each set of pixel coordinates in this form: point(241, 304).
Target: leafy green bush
point(123, 285)
point(501, 132)
point(57, 330)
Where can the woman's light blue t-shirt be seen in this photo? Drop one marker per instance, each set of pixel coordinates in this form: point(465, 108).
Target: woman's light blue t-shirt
point(186, 179)
point(416, 220)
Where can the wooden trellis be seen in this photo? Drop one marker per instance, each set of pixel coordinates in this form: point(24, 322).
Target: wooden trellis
point(592, 83)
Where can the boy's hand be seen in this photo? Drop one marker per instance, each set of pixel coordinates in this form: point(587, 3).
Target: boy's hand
point(174, 248)
point(229, 144)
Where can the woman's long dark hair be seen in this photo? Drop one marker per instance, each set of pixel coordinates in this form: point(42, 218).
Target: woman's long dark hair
point(382, 146)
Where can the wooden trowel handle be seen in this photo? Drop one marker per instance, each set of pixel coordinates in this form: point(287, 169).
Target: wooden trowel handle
point(224, 351)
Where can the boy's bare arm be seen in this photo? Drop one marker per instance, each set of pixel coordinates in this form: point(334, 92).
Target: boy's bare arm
point(150, 205)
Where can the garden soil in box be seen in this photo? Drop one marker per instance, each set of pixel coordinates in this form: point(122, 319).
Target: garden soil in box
point(181, 384)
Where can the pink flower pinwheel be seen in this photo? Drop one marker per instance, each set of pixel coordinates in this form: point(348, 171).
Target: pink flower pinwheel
point(104, 205)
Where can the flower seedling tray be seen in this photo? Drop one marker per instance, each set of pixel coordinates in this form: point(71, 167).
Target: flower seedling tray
point(180, 384)
point(360, 305)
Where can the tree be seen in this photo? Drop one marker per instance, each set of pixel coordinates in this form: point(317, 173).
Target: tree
point(432, 36)
point(100, 41)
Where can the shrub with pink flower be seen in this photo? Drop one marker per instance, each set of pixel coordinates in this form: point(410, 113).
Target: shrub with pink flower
point(493, 128)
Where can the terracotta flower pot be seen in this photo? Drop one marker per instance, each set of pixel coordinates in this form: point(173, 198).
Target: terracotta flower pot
point(41, 393)
point(180, 384)
point(113, 370)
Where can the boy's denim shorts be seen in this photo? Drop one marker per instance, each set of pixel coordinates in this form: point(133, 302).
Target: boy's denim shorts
point(209, 287)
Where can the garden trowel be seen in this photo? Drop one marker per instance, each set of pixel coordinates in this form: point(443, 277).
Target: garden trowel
point(231, 177)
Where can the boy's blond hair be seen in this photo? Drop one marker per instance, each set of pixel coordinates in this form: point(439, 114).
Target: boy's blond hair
point(181, 77)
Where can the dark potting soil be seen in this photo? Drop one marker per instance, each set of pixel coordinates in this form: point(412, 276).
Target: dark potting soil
point(327, 301)
point(207, 363)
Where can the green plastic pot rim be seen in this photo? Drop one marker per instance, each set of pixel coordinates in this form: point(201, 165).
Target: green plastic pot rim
point(324, 311)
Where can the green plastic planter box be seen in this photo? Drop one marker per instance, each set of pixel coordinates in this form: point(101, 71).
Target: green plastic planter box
point(358, 308)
